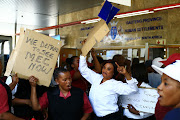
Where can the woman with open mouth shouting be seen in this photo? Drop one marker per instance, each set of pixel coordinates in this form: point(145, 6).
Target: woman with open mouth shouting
point(169, 89)
point(63, 101)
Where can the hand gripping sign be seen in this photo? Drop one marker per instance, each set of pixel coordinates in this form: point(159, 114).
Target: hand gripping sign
point(35, 54)
point(101, 29)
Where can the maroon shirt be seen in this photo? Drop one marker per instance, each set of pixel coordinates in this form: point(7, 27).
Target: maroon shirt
point(4, 107)
point(161, 111)
point(80, 83)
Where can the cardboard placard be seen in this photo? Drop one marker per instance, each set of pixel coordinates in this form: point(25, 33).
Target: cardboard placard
point(37, 56)
point(96, 35)
point(144, 100)
point(13, 55)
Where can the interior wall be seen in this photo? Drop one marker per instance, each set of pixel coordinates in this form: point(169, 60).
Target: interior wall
point(67, 53)
point(165, 29)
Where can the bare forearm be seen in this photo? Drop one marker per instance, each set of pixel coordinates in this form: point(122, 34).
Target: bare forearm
point(17, 101)
point(8, 116)
point(85, 116)
point(127, 75)
point(34, 100)
point(97, 65)
point(12, 85)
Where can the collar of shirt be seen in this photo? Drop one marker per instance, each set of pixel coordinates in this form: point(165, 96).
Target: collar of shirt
point(65, 97)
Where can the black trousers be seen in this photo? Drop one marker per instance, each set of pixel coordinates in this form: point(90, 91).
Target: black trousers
point(113, 116)
point(149, 118)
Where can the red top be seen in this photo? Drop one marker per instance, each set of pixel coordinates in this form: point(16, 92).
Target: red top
point(80, 83)
point(161, 111)
point(4, 107)
point(43, 101)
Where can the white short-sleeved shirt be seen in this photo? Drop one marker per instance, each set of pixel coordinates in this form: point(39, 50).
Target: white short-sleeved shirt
point(104, 97)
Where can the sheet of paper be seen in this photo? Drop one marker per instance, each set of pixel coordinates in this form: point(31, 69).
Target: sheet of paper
point(135, 51)
point(108, 11)
point(144, 100)
point(120, 51)
point(129, 53)
point(121, 2)
point(142, 52)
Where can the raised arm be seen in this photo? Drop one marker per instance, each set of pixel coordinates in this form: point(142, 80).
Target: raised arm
point(97, 65)
point(14, 82)
point(125, 88)
point(87, 73)
point(122, 70)
point(35, 103)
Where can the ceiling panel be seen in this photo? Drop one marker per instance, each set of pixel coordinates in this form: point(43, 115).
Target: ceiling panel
point(40, 10)
point(35, 14)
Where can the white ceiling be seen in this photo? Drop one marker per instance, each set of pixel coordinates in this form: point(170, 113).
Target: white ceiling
point(38, 13)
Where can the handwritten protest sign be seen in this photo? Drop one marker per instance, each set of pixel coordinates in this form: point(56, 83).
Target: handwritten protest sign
point(37, 56)
point(144, 100)
point(13, 55)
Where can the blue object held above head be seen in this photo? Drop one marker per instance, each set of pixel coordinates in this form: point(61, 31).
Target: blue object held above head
point(108, 11)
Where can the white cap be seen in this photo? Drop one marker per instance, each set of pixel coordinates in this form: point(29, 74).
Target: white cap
point(172, 70)
point(157, 62)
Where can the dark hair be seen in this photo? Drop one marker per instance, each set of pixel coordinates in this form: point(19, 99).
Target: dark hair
point(119, 59)
point(68, 60)
point(139, 72)
point(114, 65)
point(148, 63)
point(57, 71)
point(135, 61)
point(71, 60)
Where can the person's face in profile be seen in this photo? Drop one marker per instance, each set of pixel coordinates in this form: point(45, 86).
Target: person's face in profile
point(64, 81)
point(75, 64)
point(169, 92)
point(108, 71)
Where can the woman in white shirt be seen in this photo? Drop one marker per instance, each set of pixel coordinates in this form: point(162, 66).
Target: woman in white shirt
point(105, 90)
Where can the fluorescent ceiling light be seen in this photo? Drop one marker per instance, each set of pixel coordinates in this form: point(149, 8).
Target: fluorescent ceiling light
point(88, 22)
point(130, 14)
point(91, 21)
point(134, 14)
point(166, 7)
point(38, 30)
